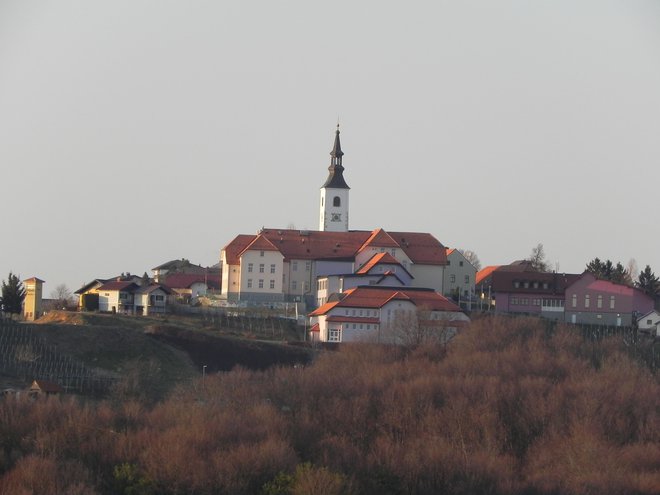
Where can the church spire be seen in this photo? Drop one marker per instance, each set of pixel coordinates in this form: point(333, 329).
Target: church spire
point(335, 179)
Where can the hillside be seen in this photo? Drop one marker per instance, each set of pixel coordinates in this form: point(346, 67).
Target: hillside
point(156, 352)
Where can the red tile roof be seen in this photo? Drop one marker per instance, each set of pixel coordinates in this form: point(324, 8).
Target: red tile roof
point(235, 247)
point(185, 280)
point(375, 260)
point(485, 273)
point(320, 245)
point(260, 243)
point(377, 297)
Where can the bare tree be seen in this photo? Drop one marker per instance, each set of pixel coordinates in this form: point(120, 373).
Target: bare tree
point(537, 258)
point(472, 257)
point(61, 296)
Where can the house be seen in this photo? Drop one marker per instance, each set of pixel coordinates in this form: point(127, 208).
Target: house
point(650, 322)
point(150, 299)
point(44, 387)
point(592, 301)
point(388, 315)
point(189, 286)
point(88, 294)
point(459, 279)
point(287, 265)
point(126, 297)
point(163, 272)
point(381, 269)
point(532, 293)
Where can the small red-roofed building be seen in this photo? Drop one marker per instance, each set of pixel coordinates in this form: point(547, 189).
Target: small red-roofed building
point(187, 286)
point(401, 315)
point(44, 387)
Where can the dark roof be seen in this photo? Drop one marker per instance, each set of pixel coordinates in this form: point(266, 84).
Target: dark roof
point(335, 178)
point(147, 289)
point(118, 285)
point(175, 264)
point(505, 281)
point(88, 286)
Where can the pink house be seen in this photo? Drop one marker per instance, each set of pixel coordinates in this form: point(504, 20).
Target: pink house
point(590, 300)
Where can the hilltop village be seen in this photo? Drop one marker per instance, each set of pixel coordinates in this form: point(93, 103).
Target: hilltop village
point(362, 285)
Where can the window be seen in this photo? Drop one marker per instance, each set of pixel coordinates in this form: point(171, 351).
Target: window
point(261, 268)
point(334, 335)
point(294, 285)
point(545, 285)
point(294, 266)
point(612, 302)
point(250, 266)
point(574, 300)
point(460, 263)
point(261, 253)
point(249, 283)
point(526, 285)
point(516, 284)
point(452, 278)
point(514, 301)
point(599, 301)
point(336, 201)
point(393, 252)
point(159, 298)
point(535, 285)
point(261, 283)
point(649, 322)
point(308, 266)
point(467, 279)
point(272, 284)
point(586, 300)
point(272, 268)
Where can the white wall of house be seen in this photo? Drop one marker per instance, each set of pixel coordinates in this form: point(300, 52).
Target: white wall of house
point(109, 300)
point(261, 272)
point(429, 276)
point(300, 278)
point(333, 218)
point(649, 321)
point(458, 274)
point(368, 253)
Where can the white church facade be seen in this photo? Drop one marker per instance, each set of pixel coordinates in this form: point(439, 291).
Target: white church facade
point(287, 265)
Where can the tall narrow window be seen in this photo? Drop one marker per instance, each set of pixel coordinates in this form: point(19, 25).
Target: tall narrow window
point(574, 300)
point(336, 201)
point(612, 302)
point(599, 301)
point(586, 300)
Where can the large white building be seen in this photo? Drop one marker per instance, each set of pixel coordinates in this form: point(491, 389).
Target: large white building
point(282, 265)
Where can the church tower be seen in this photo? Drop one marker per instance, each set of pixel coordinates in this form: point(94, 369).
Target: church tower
point(334, 194)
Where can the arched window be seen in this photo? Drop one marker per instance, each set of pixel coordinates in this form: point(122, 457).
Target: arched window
point(336, 201)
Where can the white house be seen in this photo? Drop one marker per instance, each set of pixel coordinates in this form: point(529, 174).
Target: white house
point(459, 277)
point(650, 322)
point(129, 298)
point(387, 314)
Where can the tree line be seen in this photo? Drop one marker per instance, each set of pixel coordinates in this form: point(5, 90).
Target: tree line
point(510, 406)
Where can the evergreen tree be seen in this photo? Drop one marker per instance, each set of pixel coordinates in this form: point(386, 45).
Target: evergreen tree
point(649, 283)
point(13, 294)
point(606, 270)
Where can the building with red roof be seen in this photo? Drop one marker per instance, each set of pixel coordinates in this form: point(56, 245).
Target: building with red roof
point(402, 315)
point(286, 265)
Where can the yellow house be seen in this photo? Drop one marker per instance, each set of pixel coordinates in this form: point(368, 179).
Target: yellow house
point(33, 297)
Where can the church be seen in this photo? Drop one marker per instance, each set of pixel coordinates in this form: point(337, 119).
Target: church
point(284, 265)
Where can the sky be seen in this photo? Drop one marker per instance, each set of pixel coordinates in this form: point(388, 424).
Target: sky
point(134, 132)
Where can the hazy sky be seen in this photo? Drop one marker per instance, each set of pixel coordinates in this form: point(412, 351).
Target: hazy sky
point(136, 132)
